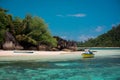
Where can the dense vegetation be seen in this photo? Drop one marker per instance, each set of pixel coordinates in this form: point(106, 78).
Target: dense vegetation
point(109, 39)
point(30, 31)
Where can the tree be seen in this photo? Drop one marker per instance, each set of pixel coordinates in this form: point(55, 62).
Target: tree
point(30, 31)
point(3, 23)
point(108, 39)
point(17, 21)
point(34, 31)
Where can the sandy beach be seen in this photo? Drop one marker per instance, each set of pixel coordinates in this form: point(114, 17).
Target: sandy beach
point(38, 55)
point(51, 55)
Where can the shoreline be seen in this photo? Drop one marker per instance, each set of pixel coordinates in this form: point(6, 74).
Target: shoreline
point(98, 47)
point(38, 55)
point(51, 55)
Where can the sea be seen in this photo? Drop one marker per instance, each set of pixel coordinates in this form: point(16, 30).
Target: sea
point(103, 68)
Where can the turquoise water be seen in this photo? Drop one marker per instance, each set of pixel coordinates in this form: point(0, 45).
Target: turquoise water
point(104, 48)
point(98, 68)
point(83, 69)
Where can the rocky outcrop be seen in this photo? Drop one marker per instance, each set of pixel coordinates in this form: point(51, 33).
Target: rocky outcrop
point(10, 42)
point(42, 47)
point(32, 48)
point(8, 45)
point(18, 47)
point(63, 44)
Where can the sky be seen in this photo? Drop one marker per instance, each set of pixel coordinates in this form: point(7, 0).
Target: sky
point(70, 19)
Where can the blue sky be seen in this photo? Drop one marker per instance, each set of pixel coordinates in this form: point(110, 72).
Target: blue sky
point(70, 19)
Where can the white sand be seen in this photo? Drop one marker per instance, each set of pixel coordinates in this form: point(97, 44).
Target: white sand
point(51, 55)
point(38, 55)
point(107, 52)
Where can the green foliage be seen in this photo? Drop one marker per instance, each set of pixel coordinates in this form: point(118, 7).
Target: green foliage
point(18, 25)
point(30, 30)
point(24, 38)
point(109, 39)
point(3, 20)
point(3, 23)
point(33, 30)
point(41, 33)
point(2, 32)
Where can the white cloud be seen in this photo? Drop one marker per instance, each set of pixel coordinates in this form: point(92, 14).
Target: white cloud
point(99, 29)
point(72, 15)
point(64, 37)
point(85, 37)
point(77, 15)
point(113, 25)
point(59, 15)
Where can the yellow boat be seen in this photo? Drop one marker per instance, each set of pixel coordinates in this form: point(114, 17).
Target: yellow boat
point(84, 55)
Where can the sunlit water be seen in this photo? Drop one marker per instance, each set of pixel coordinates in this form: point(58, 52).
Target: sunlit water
point(107, 68)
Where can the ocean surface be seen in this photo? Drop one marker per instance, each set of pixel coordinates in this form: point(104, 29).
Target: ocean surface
point(103, 68)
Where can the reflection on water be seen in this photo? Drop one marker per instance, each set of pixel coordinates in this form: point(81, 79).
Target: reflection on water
point(83, 69)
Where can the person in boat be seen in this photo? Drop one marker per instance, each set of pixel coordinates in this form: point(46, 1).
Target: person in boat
point(87, 51)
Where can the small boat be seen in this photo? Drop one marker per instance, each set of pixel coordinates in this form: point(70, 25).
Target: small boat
point(85, 55)
point(23, 52)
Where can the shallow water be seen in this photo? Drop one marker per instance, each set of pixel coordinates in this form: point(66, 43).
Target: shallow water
point(112, 48)
point(98, 68)
point(84, 69)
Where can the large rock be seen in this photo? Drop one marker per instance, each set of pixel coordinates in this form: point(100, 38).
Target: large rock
point(42, 47)
point(18, 47)
point(10, 42)
point(65, 45)
point(8, 45)
point(32, 48)
point(54, 49)
point(67, 50)
point(73, 48)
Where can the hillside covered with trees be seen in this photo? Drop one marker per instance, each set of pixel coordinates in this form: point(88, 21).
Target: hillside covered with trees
point(108, 39)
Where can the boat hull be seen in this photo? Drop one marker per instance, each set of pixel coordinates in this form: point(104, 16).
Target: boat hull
point(84, 55)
